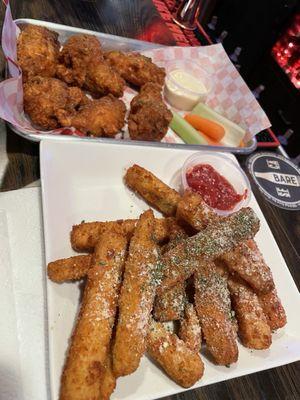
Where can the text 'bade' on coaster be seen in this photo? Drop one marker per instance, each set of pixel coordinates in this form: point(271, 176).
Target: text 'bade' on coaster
point(277, 178)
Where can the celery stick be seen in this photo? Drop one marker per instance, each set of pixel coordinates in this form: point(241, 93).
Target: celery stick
point(233, 132)
point(183, 129)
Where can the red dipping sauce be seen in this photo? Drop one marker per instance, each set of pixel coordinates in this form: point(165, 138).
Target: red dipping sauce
point(215, 190)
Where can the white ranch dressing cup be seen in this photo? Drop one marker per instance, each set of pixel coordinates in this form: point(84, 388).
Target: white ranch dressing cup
point(185, 87)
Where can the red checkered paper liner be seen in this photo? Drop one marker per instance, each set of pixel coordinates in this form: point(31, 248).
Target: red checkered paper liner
point(229, 95)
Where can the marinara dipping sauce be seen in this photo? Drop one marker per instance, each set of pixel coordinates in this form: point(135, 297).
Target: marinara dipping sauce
point(215, 190)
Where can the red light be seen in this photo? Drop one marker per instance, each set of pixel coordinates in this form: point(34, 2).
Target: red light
point(286, 51)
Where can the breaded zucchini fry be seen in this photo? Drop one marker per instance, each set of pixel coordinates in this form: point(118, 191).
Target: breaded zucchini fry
point(69, 269)
point(152, 190)
point(273, 309)
point(192, 209)
point(247, 261)
point(190, 329)
point(169, 305)
point(176, 233)
point(85, 235)
point(182, 365)
point(108, 380)
point(218, 238)
point(253, 328)
point(85, 363)
point(213, 306)
point(136, 298)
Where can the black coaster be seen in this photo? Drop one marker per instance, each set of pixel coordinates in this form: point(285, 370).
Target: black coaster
point(277, 178)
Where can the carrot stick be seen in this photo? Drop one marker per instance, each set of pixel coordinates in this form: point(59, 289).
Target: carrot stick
point(210, 128)
point(209, 140)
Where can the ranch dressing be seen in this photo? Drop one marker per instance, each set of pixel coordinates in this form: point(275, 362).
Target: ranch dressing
point(183, 91)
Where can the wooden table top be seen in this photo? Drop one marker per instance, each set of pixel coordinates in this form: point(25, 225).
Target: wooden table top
point(139, 19)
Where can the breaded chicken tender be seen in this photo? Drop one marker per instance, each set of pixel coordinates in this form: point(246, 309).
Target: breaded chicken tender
point(86, 362)
point(82, 64)
point(37, 52)
point(182, 364)
point(135, 68)
point(103, 117)
point(149, 116)
point(45, 97)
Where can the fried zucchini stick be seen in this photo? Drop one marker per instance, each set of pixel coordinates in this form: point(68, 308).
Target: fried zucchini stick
point(136, 298)
point(182, 364)
point(247, 261)
point(85, 235)
point(190, 329)
point(273, 309)
point(192, 210)
point(218, 238)
point(169, 305)
point(253, 328)
point(152, 190)
point(213, 306)
point(108, 380)
point(85, 363)
point(69, 269)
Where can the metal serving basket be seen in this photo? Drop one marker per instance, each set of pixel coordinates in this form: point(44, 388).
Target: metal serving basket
point(112, 42)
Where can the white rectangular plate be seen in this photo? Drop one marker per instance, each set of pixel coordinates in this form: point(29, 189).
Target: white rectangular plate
point(84, 181)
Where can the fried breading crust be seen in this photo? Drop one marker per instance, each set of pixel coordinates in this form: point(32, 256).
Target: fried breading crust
point(45, 98)
point(85, 364)
point(247, 261)
point(253, 328)
point(69, 269)
point(218, 238)
point(78, 52)
point(101, 80)
point(136, 298)
point(182, 365)
point(108, 380)
point(82, 64)
point(169, 305)
point(149, 117)
point(213, 306)
point(135, 68)
point(273, 309)
point(190, 329)
point(152, 189)
point(37, 52)
point(85, 235)
point(192, 210)
point(103, 117)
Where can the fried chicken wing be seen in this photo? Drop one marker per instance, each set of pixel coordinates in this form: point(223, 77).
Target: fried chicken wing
point(82, 64)
point(77, 53)
point(44, 97)
point(135, 68)
point(103, 117)
point(37, 52)
point(149, 117)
